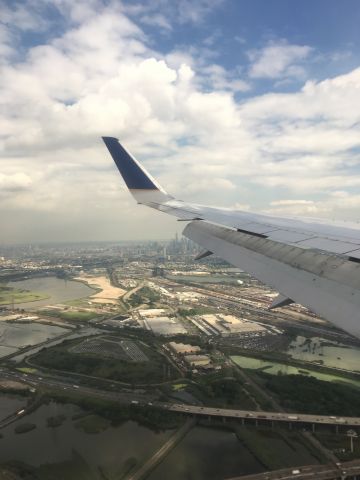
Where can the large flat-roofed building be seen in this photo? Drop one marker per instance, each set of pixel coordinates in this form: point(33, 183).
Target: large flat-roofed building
point(197, 360)
point(187, 296)
point(164, 325)
point(184, 348)
point(226, 325)
point(152, 312)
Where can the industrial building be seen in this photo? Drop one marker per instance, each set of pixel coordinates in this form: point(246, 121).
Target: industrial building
point(226, 325)
point(163, 325)
point(197, 360)
point(152, 312)
point(183, 348)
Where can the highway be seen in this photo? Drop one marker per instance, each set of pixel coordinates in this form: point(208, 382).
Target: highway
point(64, 383)
point(264, 416)
point(317, 472)
point(68, 385)
point(309, 472)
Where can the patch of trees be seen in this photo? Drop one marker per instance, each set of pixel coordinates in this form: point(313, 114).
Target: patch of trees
point(305, 394)
point(144, 295)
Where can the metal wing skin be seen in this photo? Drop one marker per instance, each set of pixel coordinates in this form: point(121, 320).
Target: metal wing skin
point(311, 262)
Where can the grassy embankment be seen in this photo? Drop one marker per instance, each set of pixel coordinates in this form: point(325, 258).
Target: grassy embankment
point(9, 295)
point(72, 315)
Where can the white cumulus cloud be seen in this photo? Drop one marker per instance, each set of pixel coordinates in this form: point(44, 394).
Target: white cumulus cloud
point(102, 76)
point(278, 59)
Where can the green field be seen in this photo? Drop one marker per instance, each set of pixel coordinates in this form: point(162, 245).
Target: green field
point(27, 370)
point(179, 386)
point(9, 295)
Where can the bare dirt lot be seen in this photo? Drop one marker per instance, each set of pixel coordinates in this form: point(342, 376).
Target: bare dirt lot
point(108, 293)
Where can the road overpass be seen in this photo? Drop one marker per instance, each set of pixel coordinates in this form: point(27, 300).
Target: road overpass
point(258, 416)
point(246, 416)
point(340, 471)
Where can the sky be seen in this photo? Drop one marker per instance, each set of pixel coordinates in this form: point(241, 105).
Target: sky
point(246, 104)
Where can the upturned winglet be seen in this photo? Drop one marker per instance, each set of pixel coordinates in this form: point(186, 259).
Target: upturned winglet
point(141, 184)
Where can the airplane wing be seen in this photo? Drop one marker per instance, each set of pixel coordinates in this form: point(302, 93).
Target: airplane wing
point(311, 262)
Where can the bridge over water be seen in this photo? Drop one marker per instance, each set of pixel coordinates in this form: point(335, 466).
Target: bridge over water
point(338, 471)
point(263, 417)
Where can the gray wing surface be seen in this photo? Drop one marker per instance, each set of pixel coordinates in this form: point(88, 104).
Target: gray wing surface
point(312, 262)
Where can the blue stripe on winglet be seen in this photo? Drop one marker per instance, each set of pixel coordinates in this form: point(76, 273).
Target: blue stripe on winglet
point(134, 176)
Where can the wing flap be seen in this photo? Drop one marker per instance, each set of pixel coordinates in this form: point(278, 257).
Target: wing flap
point(326, 284)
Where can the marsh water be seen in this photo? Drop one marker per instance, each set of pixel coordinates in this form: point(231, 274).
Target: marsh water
point(58, 290)
point(10, 404)
point(13, 336)
point(325, 352)
point(205, 453)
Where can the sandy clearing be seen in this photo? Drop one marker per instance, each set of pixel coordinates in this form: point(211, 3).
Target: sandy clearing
point(108, 294)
